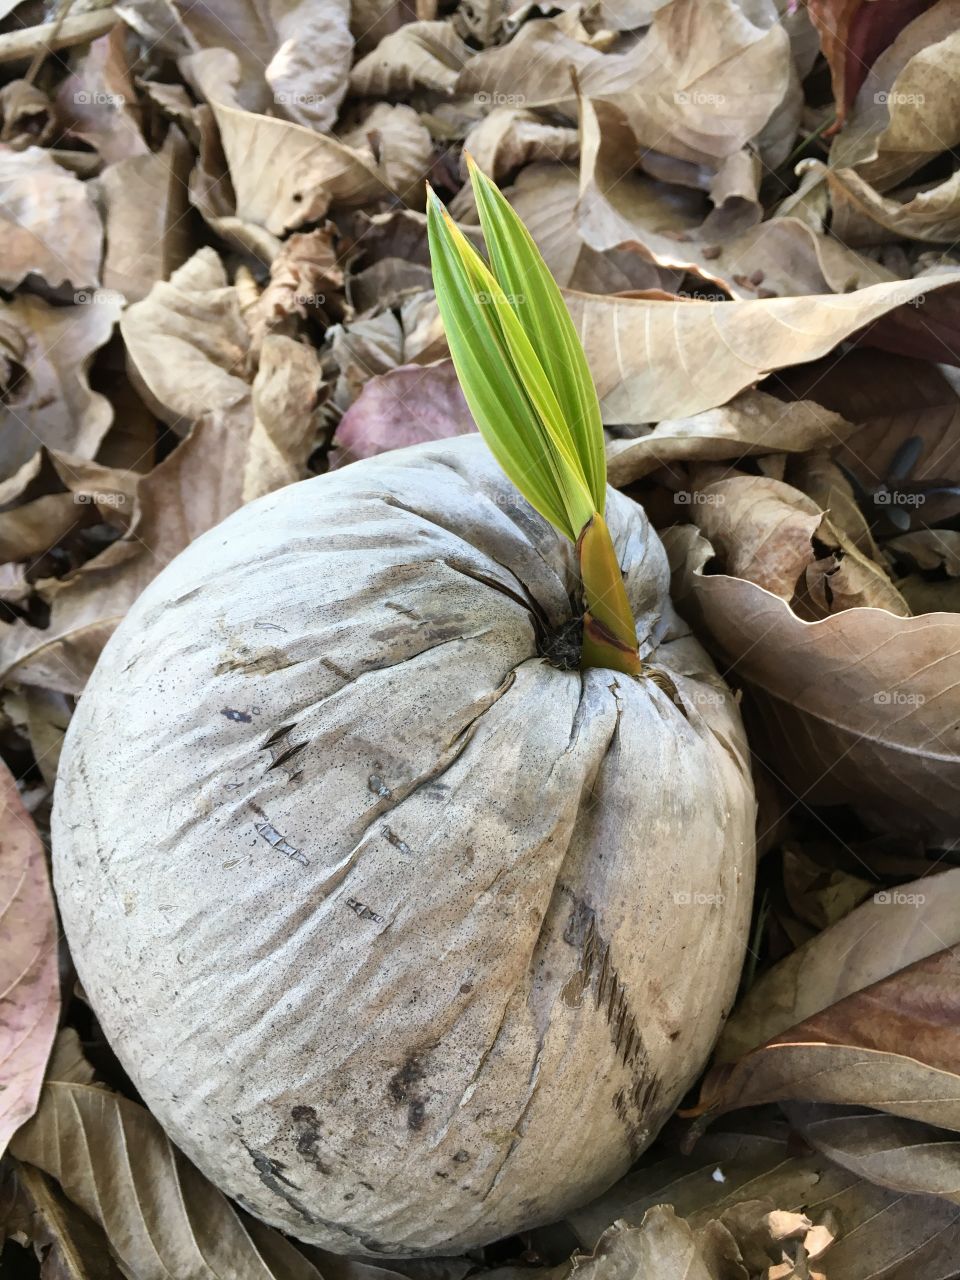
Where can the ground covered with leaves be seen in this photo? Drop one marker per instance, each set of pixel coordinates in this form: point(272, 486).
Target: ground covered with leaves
point(215, 281)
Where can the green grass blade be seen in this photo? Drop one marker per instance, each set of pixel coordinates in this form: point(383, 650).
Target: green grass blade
point(503, 382)
point(524, 277)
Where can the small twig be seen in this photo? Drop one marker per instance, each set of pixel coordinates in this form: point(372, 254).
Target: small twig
point(16, 46)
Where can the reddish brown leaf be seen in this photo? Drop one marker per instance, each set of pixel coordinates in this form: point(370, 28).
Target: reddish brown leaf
point(28, 962)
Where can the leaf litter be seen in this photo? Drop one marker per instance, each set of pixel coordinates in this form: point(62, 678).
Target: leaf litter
point(216, 282)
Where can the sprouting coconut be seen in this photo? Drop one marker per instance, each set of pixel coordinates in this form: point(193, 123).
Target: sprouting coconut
point(403, 836)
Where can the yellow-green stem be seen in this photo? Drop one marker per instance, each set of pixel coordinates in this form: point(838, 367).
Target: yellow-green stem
point(609, 629)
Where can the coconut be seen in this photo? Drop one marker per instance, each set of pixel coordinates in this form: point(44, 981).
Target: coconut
point(410, 933)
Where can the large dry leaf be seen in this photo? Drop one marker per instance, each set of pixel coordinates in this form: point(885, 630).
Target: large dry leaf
point(305, 280)
point(655, 359)
point(753, 423)
point(29, 977)
point(97, 102)
point(45, 353)
point(160, 1215)
point(891, 931)
point(892, 1047)
point(861, 705)
point(49, 225)
point(410, 404)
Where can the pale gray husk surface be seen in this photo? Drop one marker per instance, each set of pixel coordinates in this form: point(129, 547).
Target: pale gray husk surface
point(408, 938)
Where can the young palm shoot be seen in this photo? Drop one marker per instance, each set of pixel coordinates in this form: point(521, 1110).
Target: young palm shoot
point(525, 377)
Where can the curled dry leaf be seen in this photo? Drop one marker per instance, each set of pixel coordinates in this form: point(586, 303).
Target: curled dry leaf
point(407, 405)
point(44, 356)
point(160, 1216)
point(890, 932)
point(508, 138)
point(402, 145)
point(188, 344)
point(29, 974)
point(862, 703)
point(852, 34)
point(908, 110)
point(424, 55)
point(305, 278)
point(778, 537)
point(891, 1047)
point(49, 225)
point(903, 1155)
point(862, 217)
point(752, 424)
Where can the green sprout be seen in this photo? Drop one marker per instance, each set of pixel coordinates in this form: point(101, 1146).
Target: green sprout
point(526, 379)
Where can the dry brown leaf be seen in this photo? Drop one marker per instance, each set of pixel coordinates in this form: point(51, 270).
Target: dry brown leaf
point(44, 356)
point(285, 396)
point(284, 175)
point(26, 115)
point(188, 344)
point(275, 45)
point(145, 206)
point(903, 1155)
point(403, 147)
point(930, 549)
point(907, 110)
point(35, 1212)
point(507, 138)
point(889, 932)
point(29, 976)
point(304, 277)
point(890, 1047)
point(427, 55)
point(545, 197)
point(861, 705)
point(161, 1217)
point(819, 894)
point(49, 225)
point(97, 100)
point(194, 488)
point(752, 424)
point(407, 405)
point(852, 34)
point(643, 354)
point(861, 216)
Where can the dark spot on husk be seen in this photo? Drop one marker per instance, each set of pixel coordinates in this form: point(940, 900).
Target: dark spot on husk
point(403, 1089)
point(240, 716)
point(308, 1137)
